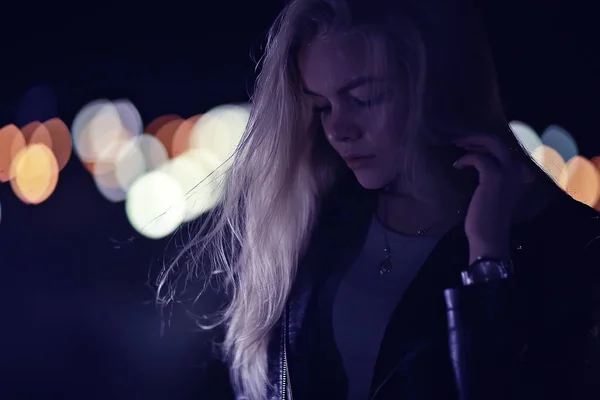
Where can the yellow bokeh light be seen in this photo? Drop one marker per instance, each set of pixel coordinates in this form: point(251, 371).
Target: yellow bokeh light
point(35, 171)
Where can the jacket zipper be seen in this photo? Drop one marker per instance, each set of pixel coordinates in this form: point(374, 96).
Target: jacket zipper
point(284, 363)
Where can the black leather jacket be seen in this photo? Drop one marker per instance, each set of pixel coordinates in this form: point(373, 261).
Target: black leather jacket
point(532, 336)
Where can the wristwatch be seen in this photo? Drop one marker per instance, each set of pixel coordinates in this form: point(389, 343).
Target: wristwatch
point(486, 269)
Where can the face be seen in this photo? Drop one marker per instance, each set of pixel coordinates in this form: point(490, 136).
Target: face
point(362, 108)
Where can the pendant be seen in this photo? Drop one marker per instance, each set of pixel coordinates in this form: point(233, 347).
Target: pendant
point(385, 266)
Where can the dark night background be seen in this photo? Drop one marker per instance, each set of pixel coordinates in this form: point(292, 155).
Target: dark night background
point(77, 319)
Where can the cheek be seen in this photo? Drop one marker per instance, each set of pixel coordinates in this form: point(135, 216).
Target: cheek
point(386, 133)
point(388, 121)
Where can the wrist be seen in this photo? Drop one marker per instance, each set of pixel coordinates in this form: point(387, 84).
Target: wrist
point(478, 250)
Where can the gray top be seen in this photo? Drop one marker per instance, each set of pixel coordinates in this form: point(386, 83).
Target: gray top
point(366, 300)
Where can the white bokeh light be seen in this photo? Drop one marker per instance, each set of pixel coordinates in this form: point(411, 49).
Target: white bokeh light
point(80, 126)
point(129, 115)
point(139, 155)
point(526, 135)
point(155, 205)
point(199, 180)
point(220, 131)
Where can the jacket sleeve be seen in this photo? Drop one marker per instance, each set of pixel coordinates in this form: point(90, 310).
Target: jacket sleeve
point(557, 356)
point(482, 349)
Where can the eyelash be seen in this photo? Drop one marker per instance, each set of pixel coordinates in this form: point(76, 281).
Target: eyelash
point(360, 103)
point(365, 103)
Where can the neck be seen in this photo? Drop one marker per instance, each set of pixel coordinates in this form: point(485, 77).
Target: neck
point(410, 216)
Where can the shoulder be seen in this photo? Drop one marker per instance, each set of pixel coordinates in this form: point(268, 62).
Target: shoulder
point(557, 267)
point(565, 230)
point(557, 259)
point(558, 253)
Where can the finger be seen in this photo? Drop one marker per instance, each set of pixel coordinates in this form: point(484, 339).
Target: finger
point(490, 143)
point(486, 166)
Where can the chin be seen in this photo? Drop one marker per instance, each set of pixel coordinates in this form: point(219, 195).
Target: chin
point(370, 180)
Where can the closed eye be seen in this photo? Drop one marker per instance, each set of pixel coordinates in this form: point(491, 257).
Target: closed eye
point(371, 102)
point(365, 103)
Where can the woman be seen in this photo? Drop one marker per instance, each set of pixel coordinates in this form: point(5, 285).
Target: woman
point(383, 234)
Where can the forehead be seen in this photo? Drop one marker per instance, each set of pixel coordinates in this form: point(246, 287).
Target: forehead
point(329, 61)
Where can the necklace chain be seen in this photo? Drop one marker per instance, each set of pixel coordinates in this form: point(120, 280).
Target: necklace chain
point(385, 265)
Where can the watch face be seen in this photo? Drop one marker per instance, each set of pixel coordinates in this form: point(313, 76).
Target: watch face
point(487, 270)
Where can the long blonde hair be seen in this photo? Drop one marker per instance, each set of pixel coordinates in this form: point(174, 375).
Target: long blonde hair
point(252, 242)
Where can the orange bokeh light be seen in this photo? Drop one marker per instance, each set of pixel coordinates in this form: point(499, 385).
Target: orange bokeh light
point(12, 142)
point(166, 133)
point(62, 144)
point(583, 182)
point(180, 143)
point(35, 132)
point(155, 126)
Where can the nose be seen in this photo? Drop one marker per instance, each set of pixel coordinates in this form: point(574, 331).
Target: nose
point(341, 127)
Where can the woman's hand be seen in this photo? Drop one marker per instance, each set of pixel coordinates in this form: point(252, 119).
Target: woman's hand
point(502, 180)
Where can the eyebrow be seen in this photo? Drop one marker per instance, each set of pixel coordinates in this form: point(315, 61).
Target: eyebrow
point(351, 84)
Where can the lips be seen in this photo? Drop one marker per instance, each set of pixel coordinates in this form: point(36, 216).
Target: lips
point(356, 161)
point(356, 157)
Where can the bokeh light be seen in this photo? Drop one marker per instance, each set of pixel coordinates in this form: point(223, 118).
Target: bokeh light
point(560, 140)
point(129, 116)
point(157, 123)
point(103, 125)
point(139, 155)
point(35, 172)
point(199, 180)
point(181, 138)
point(62, 145)
point(37, 104)
point(155, 205)
point(220, 131)
point(583, 183)
point(526, 135)
point(36, 133)
point(12, 142)
point(174, 170)
point(166, 132)
point(552, 163)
